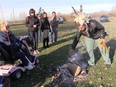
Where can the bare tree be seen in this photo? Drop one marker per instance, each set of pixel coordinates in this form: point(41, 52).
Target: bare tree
point(81, 8)
point(22, 15)
point(1, 12)
point(113, 11)
point(41, 10)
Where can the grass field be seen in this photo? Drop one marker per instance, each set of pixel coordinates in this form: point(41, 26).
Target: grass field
point(57, 54)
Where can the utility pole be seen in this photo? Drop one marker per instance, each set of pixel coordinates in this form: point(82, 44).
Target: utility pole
point(81, 8)
point(1, 12)
point(13, 15)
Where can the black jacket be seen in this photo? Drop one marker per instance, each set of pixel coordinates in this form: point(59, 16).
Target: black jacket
point(93, 30)
point(45, 24)
point(54, 23)
point(30, 21)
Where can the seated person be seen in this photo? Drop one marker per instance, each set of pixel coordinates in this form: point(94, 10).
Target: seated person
point(15, 48)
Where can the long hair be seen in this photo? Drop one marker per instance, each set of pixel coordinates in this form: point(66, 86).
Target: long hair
point(31, 11)
point(46, 18)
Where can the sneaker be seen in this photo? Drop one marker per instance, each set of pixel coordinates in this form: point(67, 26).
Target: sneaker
point(107, 66)
point(91, 64)
point(47, 46)
point(37, 52)
point(83, 72)
point(34, 52)
point(29, 67)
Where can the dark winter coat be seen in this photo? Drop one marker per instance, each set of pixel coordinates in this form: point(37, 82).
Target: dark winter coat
point(30, 21)
point(54, 23)
point(45, 24)
point(94, 30)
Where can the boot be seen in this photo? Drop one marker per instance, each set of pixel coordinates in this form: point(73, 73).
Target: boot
point(47, 39)
point(44, 42)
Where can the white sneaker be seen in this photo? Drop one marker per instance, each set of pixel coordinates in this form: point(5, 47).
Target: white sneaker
point(29, 67)
point(34, 52)
point(83, 72)
point(37, 52)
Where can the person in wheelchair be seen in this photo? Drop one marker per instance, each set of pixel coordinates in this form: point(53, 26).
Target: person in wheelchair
point(14, 47)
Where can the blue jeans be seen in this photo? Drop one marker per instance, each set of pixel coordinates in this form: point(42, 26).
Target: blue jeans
point(34, 37)
point(40, 37)
point(50, 37)
point(55, 32)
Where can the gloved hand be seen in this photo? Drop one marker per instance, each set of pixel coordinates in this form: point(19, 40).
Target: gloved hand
point(103, 43)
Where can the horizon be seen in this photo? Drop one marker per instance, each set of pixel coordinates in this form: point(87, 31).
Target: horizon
point(61, 6)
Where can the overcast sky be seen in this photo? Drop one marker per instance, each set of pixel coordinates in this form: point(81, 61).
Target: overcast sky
point(62, 6)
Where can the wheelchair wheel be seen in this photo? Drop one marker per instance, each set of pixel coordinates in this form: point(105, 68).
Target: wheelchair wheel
point(16, 75)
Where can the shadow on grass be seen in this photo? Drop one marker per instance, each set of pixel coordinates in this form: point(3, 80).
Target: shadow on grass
point(59, 41)
point(112, 45)
point(72, 33)
point(67, 26)
point(48, 64)
point(53, 60)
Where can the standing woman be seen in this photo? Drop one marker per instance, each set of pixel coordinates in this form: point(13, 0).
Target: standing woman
point(32, 23)
point(45, 29)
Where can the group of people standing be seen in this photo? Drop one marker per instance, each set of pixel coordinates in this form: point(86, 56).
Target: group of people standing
point(40, 23)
